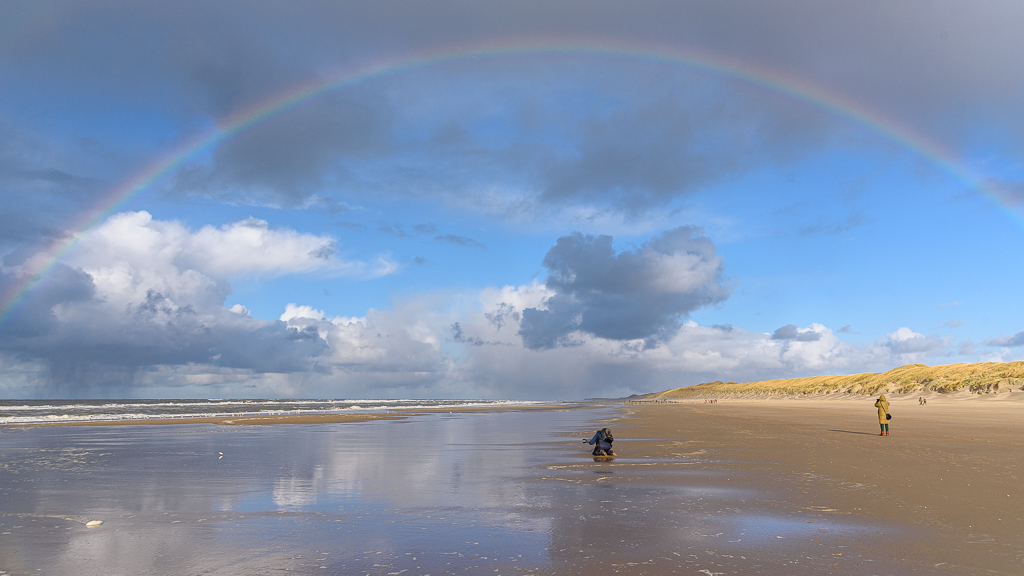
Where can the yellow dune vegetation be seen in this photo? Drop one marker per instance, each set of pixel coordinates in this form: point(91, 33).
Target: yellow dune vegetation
point(978, 377)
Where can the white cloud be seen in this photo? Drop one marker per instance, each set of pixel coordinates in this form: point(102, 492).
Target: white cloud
point(467, 345)
point(139, 294)
point(293, 311)
point(252, 247)
point(146, 309)
point(247, 247)
point(906, 342)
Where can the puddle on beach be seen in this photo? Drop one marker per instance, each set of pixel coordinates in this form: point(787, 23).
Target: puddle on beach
point(434, 494)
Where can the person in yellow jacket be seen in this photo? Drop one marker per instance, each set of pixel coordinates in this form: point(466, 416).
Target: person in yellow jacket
point(883, 411)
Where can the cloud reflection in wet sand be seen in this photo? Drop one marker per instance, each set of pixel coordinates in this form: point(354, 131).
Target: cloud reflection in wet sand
point(511, 492)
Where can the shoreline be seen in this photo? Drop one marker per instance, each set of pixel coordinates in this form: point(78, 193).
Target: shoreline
point(224, 420)
point(275, 419)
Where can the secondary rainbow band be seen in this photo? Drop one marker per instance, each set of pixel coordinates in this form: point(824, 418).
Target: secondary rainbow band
point(36, 268)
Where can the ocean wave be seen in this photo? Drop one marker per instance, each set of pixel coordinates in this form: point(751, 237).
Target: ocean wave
point(77, 411)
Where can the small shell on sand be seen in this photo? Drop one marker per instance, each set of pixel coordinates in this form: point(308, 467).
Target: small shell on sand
point(93, 523)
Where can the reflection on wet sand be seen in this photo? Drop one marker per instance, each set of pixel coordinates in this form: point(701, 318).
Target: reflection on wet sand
point(432, 494)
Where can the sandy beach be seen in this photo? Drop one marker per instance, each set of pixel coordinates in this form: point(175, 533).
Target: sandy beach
point(776, 487)
point(944, 486)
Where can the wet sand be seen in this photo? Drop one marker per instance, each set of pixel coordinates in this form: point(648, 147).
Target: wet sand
point(782, 487)
point(943, 489)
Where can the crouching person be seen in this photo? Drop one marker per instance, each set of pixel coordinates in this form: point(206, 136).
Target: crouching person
point(602, 442)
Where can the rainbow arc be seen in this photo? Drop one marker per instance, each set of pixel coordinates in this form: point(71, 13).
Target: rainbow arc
point(37, 268)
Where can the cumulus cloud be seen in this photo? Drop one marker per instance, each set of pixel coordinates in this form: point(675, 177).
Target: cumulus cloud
point(596, 366)
point(293, 311)
point(139, 293)
point(905, 341)
point(459, 345)
point(634, 294)
point(248, 247)
point(133, 317)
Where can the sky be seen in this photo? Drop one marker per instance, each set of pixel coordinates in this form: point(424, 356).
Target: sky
point(521, 200)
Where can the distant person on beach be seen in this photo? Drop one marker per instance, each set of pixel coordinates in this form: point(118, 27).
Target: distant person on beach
point(602, 442)
point(883, 415)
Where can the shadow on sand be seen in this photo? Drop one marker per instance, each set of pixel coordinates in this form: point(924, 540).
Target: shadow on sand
point(852, 432)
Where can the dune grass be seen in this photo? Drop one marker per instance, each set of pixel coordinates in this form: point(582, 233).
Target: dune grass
point(978, 377)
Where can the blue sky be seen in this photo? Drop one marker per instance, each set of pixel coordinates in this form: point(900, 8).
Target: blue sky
point(551, 223)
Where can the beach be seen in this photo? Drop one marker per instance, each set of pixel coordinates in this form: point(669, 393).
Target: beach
point(776, 487)
point(942, 491)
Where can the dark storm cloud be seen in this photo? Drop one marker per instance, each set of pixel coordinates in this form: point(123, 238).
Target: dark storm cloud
point(34, 316)
point(636, 157)
point(40, 187)
point(633, 294)
point(77, 366)
point(945, 70)
point(897, 51)
point(291, 158)
point(84, 344)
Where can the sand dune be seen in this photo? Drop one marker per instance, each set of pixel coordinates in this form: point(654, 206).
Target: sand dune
point(1005, 379)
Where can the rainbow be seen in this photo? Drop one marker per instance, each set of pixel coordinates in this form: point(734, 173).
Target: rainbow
point(36, 269)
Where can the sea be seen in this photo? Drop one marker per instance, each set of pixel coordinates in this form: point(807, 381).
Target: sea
point(45, 411)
